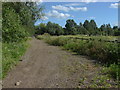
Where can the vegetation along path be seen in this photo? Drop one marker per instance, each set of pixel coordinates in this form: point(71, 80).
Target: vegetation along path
point(45, 66)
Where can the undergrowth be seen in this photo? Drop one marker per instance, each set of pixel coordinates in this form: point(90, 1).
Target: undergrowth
point(11, 54)
point(104, 52)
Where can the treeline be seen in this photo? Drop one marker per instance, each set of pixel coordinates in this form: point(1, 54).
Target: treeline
point(71, 28)
point(18, 20)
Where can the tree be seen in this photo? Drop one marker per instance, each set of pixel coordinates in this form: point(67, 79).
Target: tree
point(81, 29)
point(93, 24)
point(93, 27)
point(115, 27)
point(54, 29)
point(109, 29)
point(103, 29)
point(59, 30)
point(70, 26)
point(86, 24)
point(19, 18)
point(41, 29)
point(116, 31)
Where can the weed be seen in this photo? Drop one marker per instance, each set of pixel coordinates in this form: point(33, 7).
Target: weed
point(11, 55)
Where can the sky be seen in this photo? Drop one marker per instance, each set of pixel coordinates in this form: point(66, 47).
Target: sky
point(59, 12)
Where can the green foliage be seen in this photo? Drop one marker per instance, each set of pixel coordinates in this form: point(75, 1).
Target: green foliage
point(117, 32)
point(102, 51)
point(106, 53)
point(11, 54)
point(40, 29)
point(18, 20)
point(51, 28)
point(54, 29)
point(103, 81)
point(113, 70)
point(113, 52)
point(57, 41)
point(81, 29)
point(77, 46)
point(71, 28)
point(12, 29)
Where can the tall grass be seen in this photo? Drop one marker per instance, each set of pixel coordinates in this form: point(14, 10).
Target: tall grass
point(104, 52)
point(113, 70)
point(11, 54)
point(96, 37)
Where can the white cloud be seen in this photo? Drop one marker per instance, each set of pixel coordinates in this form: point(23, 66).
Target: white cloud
point(88, 1)
point(66, 9)
point(72, 4)
point(57, 14)
point(60, 7)
point(44, 18)
point(114, 5)
point(77, 9)
point(115, 24)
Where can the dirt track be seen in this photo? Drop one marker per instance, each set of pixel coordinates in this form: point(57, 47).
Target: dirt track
point(46, 66)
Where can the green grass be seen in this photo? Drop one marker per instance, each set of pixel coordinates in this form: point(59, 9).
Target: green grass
point(104, 52)
point(96, 37)
point(113, 71)
point(103, 81)
point(0, 60)
point(11, 54)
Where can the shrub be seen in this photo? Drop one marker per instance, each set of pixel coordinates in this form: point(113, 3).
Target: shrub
point(113, 70)
point(40, 37)
point(112, 51)
point(107, 53)
point(71, 46)
point(11, 53)
point(12, 30)
point(104, 52)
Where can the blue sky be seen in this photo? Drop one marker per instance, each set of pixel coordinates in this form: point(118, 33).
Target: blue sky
point(101, 12)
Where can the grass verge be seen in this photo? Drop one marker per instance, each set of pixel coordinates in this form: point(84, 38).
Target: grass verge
point(11, 54)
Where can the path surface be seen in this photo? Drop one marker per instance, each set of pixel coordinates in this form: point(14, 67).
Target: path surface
point(46, 66)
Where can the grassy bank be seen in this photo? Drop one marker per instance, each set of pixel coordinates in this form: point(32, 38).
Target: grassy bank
point(95, 37)
point(104, 52)
point(11, 54)
point(0, 60)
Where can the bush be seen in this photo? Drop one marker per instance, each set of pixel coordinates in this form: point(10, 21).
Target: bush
point(96, 50)
point(113, 70)
point(40, 37)
point(112, 51)
point(104, 52)
point(12, 30)
point(56, 41)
